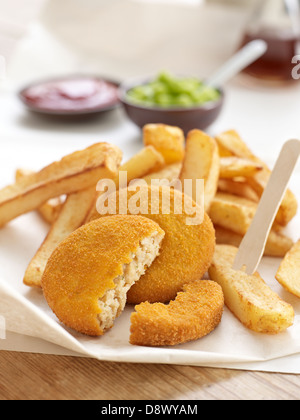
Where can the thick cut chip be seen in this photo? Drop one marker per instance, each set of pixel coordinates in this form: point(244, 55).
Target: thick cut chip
point(201, 162)
point(75, 172)
point(239, 187)
point(71, 217)
point(231, 144)
point(232, 167)
point(249, 298)
point(289, 205)
point(170, 173)
point(234, 213)
point(288, 274)
point(50, 210)
point(277, 244)
point(167, 140)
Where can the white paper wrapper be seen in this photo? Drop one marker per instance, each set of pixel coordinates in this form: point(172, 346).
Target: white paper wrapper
point(231, 344)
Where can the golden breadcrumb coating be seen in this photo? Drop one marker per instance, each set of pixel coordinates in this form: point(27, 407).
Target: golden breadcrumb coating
point(195, 313)
point(85, 279)
point(186, 252)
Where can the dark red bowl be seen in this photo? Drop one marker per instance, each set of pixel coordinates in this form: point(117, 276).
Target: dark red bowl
point(187, 119)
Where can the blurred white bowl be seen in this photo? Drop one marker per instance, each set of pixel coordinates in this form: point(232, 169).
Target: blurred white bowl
point(116, 28)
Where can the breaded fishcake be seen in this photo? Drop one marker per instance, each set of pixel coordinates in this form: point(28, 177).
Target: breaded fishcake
point(186, 252)
point(195, 313)
point(89, 274)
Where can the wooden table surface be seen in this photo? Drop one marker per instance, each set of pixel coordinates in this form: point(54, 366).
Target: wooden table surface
point(43, 377)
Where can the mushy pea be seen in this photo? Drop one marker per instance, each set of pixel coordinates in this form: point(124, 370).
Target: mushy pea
point(168, 91)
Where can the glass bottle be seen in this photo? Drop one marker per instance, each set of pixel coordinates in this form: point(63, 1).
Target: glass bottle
point(278, 23)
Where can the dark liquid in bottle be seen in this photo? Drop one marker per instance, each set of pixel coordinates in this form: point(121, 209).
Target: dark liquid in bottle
point(276, 64)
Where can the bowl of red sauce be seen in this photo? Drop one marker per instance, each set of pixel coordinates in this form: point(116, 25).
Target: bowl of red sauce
point(71, 96)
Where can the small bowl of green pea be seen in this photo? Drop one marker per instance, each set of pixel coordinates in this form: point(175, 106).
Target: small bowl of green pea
point(185, 102)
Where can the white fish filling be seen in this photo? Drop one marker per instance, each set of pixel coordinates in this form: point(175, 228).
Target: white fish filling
point(113, 302)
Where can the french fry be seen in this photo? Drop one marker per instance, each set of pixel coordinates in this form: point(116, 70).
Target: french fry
point(288, 274)
point(289, 205)
point(249, 298)
point(170, 172)
point(73, 173)
point(231, 144)
point(137, 167)
point(50, 210)
point(232, 212)
point(143, 163)
point(223, 152)
point(239, 187)
point(167, 140)
point(71, 217)
point(201, 161)
point(277, 245)
point(233, 167)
